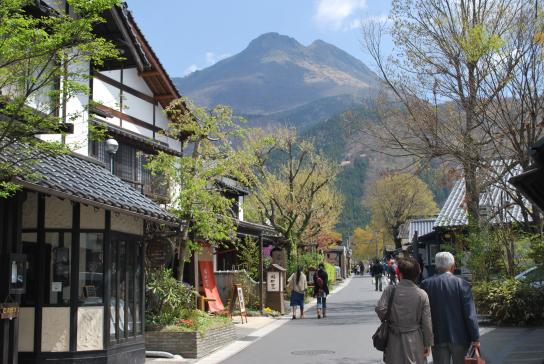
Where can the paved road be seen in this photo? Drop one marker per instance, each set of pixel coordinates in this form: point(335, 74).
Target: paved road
point(343, 337)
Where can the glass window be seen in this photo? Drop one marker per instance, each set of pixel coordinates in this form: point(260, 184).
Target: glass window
point(58, 252)
point(122, 290)
point(113, 284)
point(138, 273)
point(91, 267)
point(130, 288)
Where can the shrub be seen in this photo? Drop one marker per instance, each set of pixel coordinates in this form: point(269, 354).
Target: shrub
point(331, 272)
point(167, 300)
point(510, 302)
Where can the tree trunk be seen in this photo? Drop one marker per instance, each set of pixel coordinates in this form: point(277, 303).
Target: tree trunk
point(183, 240)
point(472, 194)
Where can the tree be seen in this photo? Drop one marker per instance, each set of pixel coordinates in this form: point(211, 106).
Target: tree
point(197, 197)
point(366, 243)
point(514, 120)
point(395, 198)
point(44, 58)
point(459, 54)
point(295, 187)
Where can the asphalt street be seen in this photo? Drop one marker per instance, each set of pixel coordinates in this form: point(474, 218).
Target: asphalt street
point(343, 337)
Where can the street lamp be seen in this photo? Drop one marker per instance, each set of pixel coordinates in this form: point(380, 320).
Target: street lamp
point(111, 147)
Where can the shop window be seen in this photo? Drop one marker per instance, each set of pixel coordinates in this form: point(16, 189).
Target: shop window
point(126, 291)
point(91, 269)
point(58, 250)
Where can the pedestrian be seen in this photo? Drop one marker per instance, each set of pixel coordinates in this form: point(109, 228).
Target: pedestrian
point(362, 269)
point(455, 324)
point(297, 285)
point(410, 328)
point(321, 290)
point(377, 272)
point(393, 271)
point(357, 269)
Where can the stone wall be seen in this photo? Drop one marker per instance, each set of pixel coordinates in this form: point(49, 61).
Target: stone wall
point(190, 344)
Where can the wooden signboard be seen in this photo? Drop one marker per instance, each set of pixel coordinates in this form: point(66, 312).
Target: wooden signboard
point(9, 311)
point(237, 294)
point(159, 253)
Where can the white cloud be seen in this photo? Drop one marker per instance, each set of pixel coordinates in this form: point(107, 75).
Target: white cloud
point(190, 69)
point(212, 58)
point(334, 13)
point(358, 23)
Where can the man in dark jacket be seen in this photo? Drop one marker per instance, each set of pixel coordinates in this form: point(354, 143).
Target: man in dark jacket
point(455, 325)
point(377, 273)
point(321, 291)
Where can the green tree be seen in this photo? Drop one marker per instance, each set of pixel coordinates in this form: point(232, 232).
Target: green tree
point(198, 198)
point(41, 48)
point(395, 198)
point(296, 194)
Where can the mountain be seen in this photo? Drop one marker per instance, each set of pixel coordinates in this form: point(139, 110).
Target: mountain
point(278, 80)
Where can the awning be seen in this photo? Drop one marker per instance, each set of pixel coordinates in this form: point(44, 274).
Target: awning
point(85, 180)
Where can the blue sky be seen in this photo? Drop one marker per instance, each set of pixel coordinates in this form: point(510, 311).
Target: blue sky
point(194, 34)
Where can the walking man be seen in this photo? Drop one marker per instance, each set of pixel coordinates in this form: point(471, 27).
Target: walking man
point(377, 273)
point(453, 313)
point(321, 290)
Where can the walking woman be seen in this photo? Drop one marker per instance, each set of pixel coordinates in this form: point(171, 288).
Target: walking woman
point(297, 285)
point(410, 329)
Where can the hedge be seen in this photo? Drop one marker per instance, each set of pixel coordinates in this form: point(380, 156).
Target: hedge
point(510, 302)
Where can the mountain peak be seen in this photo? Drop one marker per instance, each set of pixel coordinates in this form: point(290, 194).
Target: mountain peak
point(273, 40)
point(276, 73)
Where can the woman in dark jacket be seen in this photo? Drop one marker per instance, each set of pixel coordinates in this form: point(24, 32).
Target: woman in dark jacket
point(321, 290)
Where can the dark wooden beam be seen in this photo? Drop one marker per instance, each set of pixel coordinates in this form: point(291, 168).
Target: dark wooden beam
point(121, 86)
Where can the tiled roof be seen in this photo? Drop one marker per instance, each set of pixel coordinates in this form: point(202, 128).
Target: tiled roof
point(496, 203)
point(86, 181)
point(422, 226)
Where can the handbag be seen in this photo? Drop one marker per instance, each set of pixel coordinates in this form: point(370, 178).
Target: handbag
point(379, 339)
point(473, 356)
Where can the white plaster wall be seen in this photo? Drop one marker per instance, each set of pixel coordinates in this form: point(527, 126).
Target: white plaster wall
point(30, 211)
point(106, 94)
point(92, 218)
point(56, 329)
point(241, 208)
point(174, 144)
point(26, 329)
point(58, 213)
point(127, 224)
point(114, 75)
point(161, 120)
point(90, 328)
point(132, 79)
point(138, 129)
point(77, 113)
point(135, 106)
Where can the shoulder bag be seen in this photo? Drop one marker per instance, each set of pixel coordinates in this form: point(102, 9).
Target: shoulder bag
point(379, 339)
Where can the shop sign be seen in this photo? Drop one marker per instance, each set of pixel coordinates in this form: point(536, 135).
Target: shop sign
point(9, 311)
point(273, 282)
point(159, 253)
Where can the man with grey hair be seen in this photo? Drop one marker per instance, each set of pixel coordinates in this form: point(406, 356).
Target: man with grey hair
point(453, 313)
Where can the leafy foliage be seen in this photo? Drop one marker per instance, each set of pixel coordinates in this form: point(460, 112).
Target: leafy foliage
point(200, 199)
point(36, 53)
point(510, 302)
point(167, 300)
point(296, 194)
point(395, 198)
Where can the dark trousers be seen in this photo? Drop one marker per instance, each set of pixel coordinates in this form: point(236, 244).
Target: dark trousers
point(322, 302)
point(378, 279)
point(449, 353)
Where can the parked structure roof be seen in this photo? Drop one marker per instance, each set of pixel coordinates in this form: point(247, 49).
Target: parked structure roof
point(84, 180)
point(496, 202)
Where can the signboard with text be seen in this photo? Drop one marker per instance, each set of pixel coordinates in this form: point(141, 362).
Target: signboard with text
point(273, 283)
point(9, 311)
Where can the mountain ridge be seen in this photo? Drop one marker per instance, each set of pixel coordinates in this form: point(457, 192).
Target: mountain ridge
point(276, 73)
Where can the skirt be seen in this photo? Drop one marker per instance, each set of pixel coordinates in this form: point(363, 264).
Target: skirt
point(297, 299)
